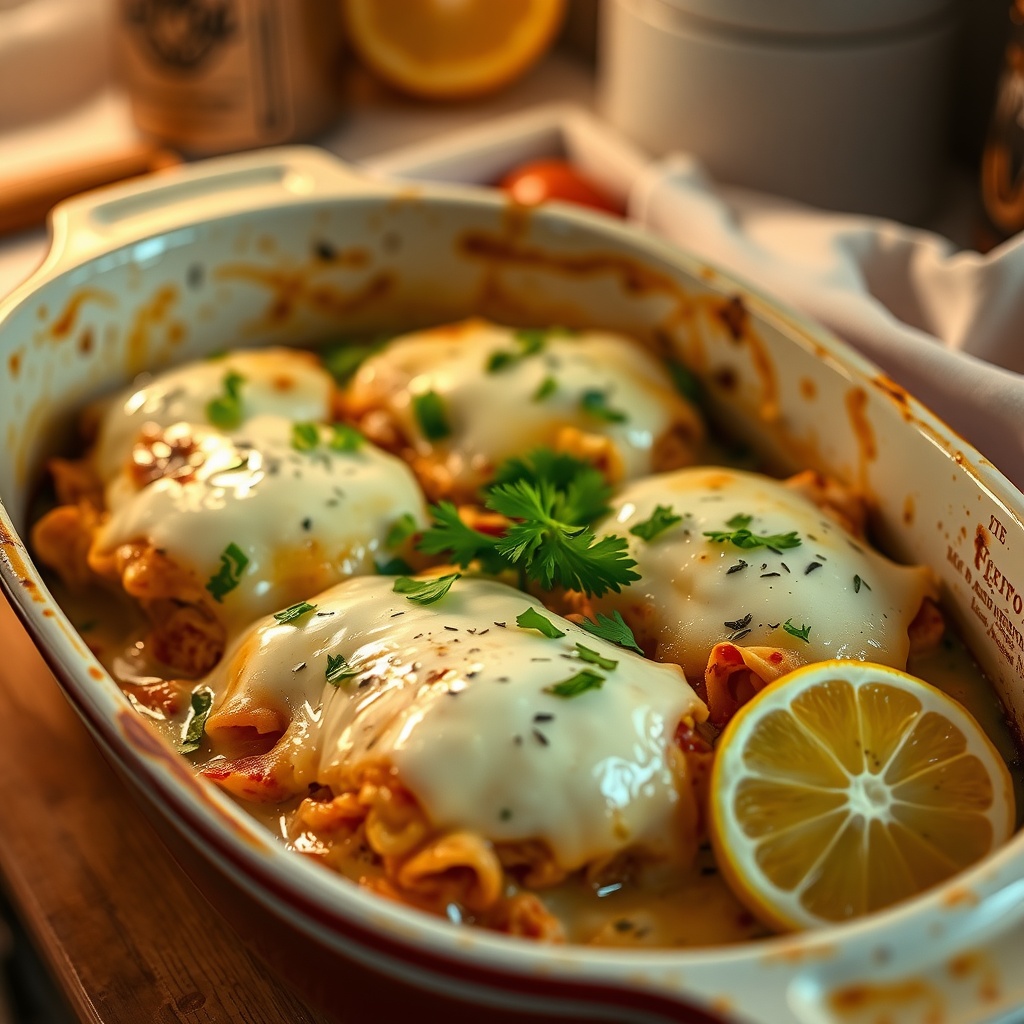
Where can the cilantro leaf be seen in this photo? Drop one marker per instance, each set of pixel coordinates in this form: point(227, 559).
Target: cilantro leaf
point(587, 654)
point(342, 361)
point(394, 567)
point(547, 387)
point(740, 536)
point(233, 561)
point(658, 522)
point(577, 684)
point(595, 403)
point(294, 611)
point(431, 415)
point(195, 725)
point(530, 340)
point(225, 410)
point(583, 488)
point(686, 382)
point(305, 437)
point(401, 530)
point(425, 591)
point(461, 543)
point(614, 629)
point(338, 669)
point(344, 438)
point(532, 619)
point(801, 633)
point(552, 548)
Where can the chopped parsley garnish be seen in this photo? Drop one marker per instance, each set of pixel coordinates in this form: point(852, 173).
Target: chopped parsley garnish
point(577, 684)
point(344, 438)
point(195, 725)
point(293, 612)
point(739, 535)
point(547, 387)
point(425, 591)
point(595, 403)
point(305, 437)
point(658, 522)
point(614, 629)
point(394, 567)
point(686, 382)
point(803, 633)
point(225, 410)
point(550, 503)
point(233, 561)
point(431, 415)
point(338, 669)
point(532, 619)
point(858, 583)
point(586, 654)
point(530, 341)
point(342, 361)
point(585, 490)
point(401, 530)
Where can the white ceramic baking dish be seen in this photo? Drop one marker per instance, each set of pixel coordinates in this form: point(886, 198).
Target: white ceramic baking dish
point(291, 246)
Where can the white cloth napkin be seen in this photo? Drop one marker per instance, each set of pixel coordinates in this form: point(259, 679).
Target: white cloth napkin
point(946, 324)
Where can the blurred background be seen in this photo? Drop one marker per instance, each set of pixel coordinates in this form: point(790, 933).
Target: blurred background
point(874, 107)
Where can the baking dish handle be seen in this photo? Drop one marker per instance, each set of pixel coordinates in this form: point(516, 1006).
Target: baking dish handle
point(107, 218)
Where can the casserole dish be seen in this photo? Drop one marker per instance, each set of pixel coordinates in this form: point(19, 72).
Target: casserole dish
point(289, 246)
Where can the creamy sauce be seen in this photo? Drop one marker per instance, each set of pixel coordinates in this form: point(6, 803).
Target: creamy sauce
point(695, 592)
point(454, 694)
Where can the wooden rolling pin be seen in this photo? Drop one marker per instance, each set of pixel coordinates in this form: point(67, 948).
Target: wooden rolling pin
point(26, 200)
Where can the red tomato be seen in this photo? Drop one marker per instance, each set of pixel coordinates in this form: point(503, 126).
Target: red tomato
point(540, 180)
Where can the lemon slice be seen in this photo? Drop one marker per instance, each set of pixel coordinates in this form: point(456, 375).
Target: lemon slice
point(847, 786)
point(447, 49)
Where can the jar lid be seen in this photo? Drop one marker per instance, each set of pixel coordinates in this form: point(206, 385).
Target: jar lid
point(812, 17)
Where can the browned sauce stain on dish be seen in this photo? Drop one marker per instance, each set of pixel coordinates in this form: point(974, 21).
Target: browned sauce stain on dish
point(890, 1002)
point(801, 952)
point(899, 395)
point(85, 341)
point(960, 896)
point(65, 323)
point(95, 673)
point(975, 965)
point(149, 318)
point(808, 389)
point(294, 287)
point(908, 510)
point(864, 434)
point(14, 362)
point(635, 279)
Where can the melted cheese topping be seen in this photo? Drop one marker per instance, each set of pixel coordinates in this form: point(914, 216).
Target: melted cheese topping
point(304, 520)
point(275, 381)
point(695, 592)
point(495, 413)
point(458, 704)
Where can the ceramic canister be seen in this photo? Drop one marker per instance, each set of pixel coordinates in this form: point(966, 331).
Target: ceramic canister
point(841, 105)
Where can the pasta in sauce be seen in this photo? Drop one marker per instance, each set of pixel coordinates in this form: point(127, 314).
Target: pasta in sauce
point(522, 745)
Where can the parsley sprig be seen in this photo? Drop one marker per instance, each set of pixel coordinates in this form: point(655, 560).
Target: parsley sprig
point(662, 518)
point(614, 629)
point(550, 499)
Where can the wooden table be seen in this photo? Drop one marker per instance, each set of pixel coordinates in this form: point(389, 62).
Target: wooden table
point(123, 931)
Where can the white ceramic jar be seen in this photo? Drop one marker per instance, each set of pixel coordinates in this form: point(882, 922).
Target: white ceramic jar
point(839, 103)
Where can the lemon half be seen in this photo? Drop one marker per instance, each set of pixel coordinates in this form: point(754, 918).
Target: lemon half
point(846, 787)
